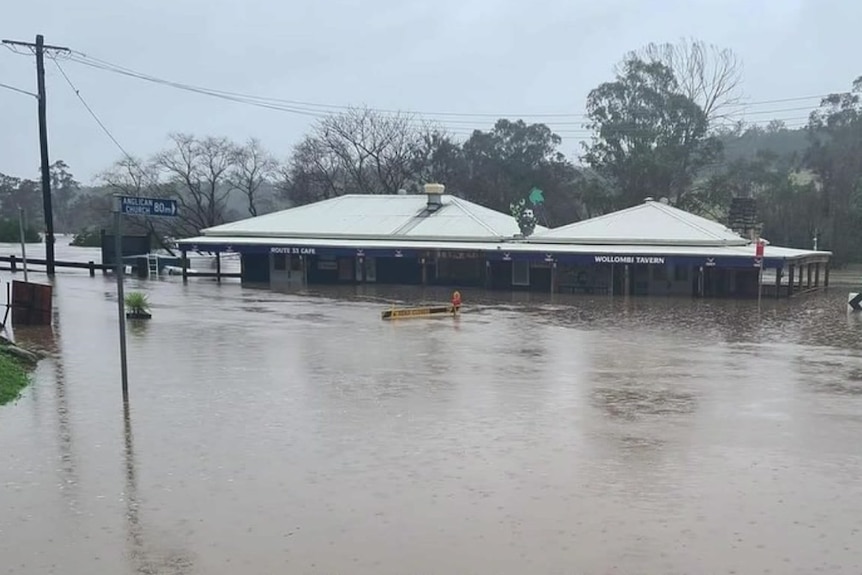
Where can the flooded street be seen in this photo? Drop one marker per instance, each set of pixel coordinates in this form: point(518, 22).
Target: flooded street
point(299, 433)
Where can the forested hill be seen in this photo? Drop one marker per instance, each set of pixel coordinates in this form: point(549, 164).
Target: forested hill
point(780, 141)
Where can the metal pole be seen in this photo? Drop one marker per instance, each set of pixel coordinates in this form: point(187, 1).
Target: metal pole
point(23, 242)
point(118, 270)
point(760, 282)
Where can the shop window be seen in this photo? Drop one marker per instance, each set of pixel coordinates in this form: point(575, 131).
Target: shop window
point(520, 273)
point(279, 262)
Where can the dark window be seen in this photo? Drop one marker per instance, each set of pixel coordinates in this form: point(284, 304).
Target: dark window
point(680, 273)
point(279, 262)
point(295, 264)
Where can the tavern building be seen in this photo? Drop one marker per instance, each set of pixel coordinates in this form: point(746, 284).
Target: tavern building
point(439, 239)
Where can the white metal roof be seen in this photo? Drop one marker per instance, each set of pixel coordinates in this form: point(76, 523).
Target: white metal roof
point(201, 243)
point(404, 217)
point(653, 223)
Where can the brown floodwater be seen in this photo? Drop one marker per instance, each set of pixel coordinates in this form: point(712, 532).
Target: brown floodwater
point(299, 433)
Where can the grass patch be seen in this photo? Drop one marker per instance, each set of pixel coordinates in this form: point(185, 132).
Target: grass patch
point(13, 378)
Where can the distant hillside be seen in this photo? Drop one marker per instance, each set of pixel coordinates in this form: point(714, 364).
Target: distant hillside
point(779, 141)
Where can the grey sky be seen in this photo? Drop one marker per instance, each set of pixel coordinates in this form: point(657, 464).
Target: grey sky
point(467, 56)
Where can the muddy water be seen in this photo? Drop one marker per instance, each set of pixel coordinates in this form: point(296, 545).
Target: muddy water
point(298, 433)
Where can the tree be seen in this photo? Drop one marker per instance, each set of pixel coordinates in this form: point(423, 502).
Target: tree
point(252, 169)
point(21, 193)
point(650, 139)
point(359, 151)
point(835, 157)
point(195, 172)
point(440, 159)
point(128, 176)
point(708, 75)
point(64, 188)
point(505, 163)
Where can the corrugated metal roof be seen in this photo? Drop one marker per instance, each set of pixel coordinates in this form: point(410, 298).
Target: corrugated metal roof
point(510, 246)
point(653, 223)
point(378, 216)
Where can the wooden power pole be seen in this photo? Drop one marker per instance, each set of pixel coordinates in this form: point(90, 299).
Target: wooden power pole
point(39, 48)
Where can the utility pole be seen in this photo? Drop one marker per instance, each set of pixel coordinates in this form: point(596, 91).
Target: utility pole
point(39, 48)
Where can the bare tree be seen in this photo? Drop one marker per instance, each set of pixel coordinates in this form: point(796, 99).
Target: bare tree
point(132, 177)
point(709, 75)
point(252, 168)
point(358, 151)
point(195, 172)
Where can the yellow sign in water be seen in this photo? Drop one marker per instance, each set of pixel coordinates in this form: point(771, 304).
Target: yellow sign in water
point(410, 312)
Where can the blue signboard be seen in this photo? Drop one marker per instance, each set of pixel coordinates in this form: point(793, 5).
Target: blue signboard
point(132, 206)
point(563, 258)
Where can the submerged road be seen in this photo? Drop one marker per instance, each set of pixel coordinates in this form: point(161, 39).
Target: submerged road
point(291, 433)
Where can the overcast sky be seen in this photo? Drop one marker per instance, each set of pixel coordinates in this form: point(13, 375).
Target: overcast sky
point(462, 56)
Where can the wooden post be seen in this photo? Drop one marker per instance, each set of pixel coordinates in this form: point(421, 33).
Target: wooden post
point(218, 267)
point(185, 265)
point(627, 281)
point(817, 274)
point(778, 273)
point(826, 275)
point(13, 266)
point(553, 276)
point(808, 271)
point(790, 280)
point(92, 268)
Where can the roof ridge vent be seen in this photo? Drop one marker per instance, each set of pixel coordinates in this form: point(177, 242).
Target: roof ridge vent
point(434, 192)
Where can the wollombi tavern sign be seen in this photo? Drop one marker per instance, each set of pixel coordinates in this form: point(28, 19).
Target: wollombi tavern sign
point(629, 260)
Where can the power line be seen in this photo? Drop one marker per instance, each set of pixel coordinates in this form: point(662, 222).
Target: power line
point(90, 110)
point(19, 90)
point(319, 109)
point(454, 126)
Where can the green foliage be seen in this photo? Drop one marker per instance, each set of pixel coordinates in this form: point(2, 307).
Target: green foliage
point(137, 302)
point(88, 238)
point(10, 232)
point(835, 157)
point(746, 142)
point(20, 193)
point(13, 378)
point(650, 139)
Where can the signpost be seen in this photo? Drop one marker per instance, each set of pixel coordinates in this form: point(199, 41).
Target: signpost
point(758, 262)
point(22, 232)
point(131, 206)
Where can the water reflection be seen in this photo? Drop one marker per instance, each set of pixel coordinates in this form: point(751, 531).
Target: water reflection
point(288, 433)
point(46, 339)
point(143, 557)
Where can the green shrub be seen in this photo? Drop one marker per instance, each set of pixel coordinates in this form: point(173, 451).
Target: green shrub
point(88, 238)
point(136, 302)
point(10, 232)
